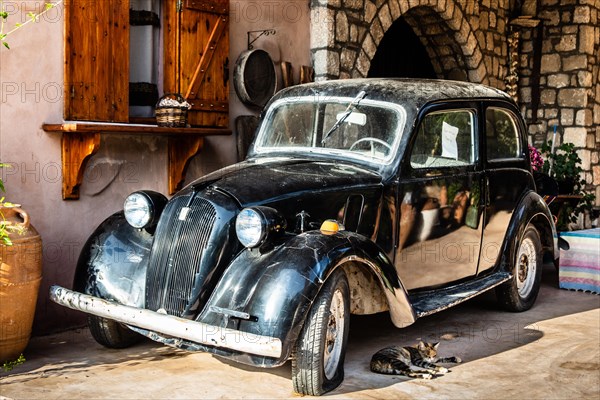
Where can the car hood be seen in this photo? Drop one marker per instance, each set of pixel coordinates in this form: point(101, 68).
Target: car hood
point(261, 181)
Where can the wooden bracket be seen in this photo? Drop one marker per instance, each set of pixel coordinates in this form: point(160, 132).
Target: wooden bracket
point(181, 152)
point(77, 149)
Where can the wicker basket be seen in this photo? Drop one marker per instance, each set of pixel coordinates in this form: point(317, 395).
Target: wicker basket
point(169, 116)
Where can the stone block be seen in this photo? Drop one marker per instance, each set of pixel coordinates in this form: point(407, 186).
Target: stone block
point(551, 17)
point(369, 46)
point(327, 62)
point(591, 144)
point(572, 98)
point(587, 39)
point(567, 43)
point(577, 136)
point(377, 31)
point(584, 79)
point(394, 9)
point(558, 80)
point(525, 94)
point(551, 113)
point(595, 159)
point(322, 28)
point(548, 97)
point(566, 116)
point(347, 59)
point(489, 41)
point(581, 15)
point(492, 19)
point(385, 18)
point(575, 62)
point(550, 63)
point(583, 118)
point(565, 17)
point(370, 11)
point(342, 33)
point(363, 64)
point(585, 156)
point(596, 180)
point(353, 4)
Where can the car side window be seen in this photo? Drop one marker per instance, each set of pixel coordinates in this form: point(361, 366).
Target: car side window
point(445, 139)
point(502, 135)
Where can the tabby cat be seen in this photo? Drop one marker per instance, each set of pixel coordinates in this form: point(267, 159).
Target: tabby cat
point(414, 361)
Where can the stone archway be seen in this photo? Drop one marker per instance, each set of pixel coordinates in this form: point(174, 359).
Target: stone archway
point(345, 36)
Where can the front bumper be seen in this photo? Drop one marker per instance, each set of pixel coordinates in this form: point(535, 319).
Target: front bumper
point(169, 325)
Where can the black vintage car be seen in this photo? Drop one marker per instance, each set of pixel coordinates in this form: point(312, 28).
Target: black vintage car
point(357, 197)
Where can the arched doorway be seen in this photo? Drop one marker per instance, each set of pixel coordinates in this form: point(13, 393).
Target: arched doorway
point(401, 55)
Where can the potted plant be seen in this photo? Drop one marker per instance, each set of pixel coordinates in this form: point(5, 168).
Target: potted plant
point(564, 166)
point(20, 277)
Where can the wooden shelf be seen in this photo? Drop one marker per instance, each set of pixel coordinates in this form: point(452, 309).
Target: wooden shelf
point(80, 141)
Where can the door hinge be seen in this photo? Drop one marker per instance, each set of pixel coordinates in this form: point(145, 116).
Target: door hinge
point(179, 5)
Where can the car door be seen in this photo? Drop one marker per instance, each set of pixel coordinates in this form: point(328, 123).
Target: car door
point(440, 228)
point(506, 176)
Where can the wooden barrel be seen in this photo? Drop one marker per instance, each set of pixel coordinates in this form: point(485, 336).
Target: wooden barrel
point(254, 77)
point(20, 277)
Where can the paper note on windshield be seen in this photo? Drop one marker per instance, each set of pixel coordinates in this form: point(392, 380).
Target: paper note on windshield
point(449, 146)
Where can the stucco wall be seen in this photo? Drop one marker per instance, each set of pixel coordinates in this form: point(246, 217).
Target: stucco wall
point(31, 77)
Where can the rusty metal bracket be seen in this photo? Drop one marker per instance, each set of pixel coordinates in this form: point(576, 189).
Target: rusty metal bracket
point(258, 34)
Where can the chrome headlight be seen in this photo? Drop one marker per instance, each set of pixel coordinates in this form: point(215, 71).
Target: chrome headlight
point(256, 225)
point(143, 208)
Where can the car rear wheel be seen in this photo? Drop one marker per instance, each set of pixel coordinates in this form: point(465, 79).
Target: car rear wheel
point(520, 293)
point(111, 334)
point(318, 357)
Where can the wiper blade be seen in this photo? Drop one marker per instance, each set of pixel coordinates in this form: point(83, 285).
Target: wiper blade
point(361, 95)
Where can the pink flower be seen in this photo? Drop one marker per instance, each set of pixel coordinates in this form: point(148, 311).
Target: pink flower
point(536, 158)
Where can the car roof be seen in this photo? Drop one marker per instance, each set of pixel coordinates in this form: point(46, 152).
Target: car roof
point(417, 92)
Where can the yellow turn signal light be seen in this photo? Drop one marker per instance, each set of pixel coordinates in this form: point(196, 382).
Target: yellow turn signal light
point(331, 227)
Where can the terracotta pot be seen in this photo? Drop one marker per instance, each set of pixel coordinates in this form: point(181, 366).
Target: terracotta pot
point(20, 277)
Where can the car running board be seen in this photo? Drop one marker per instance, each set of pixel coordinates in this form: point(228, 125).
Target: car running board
point(429, 302)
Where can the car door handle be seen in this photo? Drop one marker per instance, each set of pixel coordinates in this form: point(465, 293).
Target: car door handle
point(433, 173)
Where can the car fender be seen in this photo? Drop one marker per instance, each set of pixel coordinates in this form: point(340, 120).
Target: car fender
point(271, 293)
point(531, 209)
point(112, 263)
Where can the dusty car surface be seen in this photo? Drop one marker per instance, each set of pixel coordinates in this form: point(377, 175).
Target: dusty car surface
point(357, 197)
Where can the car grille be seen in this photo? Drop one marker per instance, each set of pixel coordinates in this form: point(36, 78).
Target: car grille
point(177, 253)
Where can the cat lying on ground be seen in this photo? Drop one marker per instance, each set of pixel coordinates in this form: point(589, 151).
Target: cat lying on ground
point(413, 361)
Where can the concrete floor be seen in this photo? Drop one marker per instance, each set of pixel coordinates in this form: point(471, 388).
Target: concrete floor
point(549, 352)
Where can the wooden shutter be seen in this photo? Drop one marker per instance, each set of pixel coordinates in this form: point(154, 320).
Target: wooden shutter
point(97, 60)
point(197, 58)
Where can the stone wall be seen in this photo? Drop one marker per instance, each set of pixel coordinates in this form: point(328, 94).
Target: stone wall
point(569, 81)
point(468, 40)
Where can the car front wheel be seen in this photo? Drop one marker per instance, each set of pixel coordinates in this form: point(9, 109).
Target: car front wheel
point(520, 292)
point(111, 334)
point(318, 357)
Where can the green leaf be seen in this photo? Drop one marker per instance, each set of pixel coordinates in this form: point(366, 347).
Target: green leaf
point(18, 24)
point(3, 35)
point(49, 5)
point(4, 14)
point(6, 45)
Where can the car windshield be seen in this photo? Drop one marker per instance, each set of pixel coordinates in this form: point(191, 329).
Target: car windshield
point(356, 127)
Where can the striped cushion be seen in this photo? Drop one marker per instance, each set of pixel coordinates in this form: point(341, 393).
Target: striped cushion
point(579, 267)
